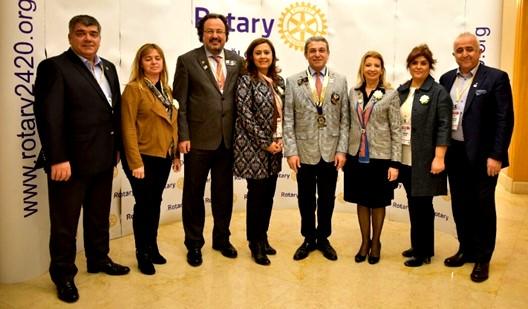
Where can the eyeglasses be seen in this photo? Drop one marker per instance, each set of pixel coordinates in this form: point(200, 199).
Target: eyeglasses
point(211, 31)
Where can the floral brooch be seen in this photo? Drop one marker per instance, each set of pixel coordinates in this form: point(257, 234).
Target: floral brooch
point(378, 94)
point(424, 99)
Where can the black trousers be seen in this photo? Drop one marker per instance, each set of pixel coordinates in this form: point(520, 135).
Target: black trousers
point(258, 208)
point(316, 180)
point(473, 203)
point(421, 215)
point(197, 165)
point(94, 194)
point(148, 196)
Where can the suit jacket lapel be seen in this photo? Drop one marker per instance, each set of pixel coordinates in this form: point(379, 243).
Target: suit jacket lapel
point(83, 70)
point(306, 88)
point(231, 69)
point(329, 87)
point(203, 62)
point(480, 76)
point(111, 78)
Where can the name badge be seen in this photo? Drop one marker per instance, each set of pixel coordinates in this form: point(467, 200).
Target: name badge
point(457, 114)
point(406, 134)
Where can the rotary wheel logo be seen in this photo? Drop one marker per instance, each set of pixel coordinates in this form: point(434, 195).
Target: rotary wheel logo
point(113, 220)
point(300, 21)
point(179, 183)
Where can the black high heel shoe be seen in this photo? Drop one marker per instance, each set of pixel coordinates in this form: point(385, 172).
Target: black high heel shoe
point(372, 259)
point(359, 258)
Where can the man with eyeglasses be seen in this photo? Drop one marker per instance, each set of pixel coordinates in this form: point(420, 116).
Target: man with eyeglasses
point(204, 85)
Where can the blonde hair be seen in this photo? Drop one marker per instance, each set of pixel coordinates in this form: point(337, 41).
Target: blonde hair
point(138, 74)
point(361, 70)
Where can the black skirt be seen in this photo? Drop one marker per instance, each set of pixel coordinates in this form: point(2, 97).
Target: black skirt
point(366, 184)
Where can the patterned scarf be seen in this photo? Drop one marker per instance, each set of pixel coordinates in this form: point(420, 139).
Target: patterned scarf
point(162, 97)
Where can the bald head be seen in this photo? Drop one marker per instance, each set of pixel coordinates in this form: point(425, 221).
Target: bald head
point(466, 50)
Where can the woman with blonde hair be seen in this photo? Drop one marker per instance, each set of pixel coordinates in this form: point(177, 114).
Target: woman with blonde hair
point(374, 152)
point(150, 136)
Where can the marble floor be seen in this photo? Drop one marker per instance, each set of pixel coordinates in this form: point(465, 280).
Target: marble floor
point(311, 283)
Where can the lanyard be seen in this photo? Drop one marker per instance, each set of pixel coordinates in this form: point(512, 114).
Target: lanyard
point(459, 91)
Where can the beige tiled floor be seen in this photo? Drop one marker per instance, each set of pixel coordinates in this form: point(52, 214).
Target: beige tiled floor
point(312, 283)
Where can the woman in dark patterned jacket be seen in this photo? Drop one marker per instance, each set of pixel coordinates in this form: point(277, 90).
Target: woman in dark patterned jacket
point(258, 141)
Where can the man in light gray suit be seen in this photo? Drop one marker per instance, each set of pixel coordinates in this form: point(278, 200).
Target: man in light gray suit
point(204, 85)
point(316, 124)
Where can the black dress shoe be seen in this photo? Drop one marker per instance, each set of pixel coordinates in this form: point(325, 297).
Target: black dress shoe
point(67, 291)
point(305, 249)
point(227, 250)
point(409, 253)
point(327, 250)
point(155, 256)
point(417, 261)
point(456, 260)
point(109, 267)
point(194, 257)
point(145, 263)
point(269, 249)
point(258, 253)
point(480, 272)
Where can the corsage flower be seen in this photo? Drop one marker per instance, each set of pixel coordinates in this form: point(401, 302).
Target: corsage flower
point(377, 95)
point(424, 99)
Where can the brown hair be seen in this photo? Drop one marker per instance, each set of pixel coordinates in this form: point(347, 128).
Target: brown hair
point(201, 24)
point(250, 61)
point(138, 74)
point(421, 50)
point(315, 39)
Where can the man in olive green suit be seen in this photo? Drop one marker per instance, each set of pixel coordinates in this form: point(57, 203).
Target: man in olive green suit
point(204, 85)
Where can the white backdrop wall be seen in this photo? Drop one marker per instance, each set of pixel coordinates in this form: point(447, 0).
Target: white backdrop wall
point(33, 30)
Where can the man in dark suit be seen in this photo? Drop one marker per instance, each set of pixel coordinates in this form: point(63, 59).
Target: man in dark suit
point(204, 85)
point(482, 129)
point(76, 96)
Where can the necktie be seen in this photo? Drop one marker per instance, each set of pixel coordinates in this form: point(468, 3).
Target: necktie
point(219, 74)
point(318, 84)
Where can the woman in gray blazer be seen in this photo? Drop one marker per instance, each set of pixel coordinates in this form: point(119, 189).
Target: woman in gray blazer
point(258, 141)
point(374, 152)
point(426, 131)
